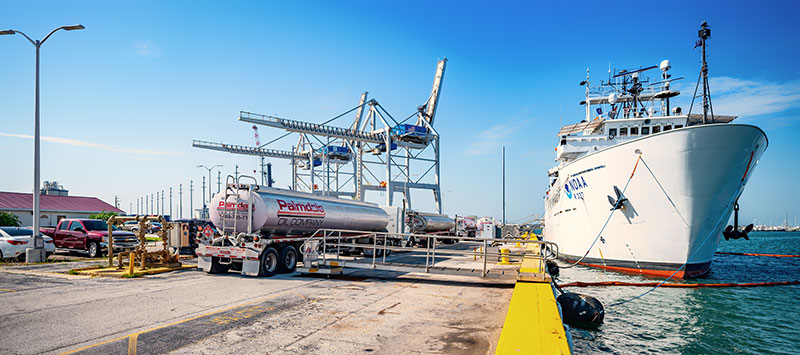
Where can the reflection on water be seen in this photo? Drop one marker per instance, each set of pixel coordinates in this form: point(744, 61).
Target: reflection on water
point(702, 320)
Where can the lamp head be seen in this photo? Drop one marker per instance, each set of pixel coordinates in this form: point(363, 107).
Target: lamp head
point(7, 32)
point(73, 27)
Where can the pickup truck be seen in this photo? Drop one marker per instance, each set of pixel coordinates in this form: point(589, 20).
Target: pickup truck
point(90, 235)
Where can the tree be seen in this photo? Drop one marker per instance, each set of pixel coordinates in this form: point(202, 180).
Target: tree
point(102, 215)
point(9, 220)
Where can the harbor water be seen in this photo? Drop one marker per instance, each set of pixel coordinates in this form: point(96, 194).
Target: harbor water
point(741, 320)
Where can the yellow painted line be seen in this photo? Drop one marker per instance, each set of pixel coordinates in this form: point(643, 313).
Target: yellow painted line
point(132, 344)
point(7, 290)
point(174, 323)
point(533, 324)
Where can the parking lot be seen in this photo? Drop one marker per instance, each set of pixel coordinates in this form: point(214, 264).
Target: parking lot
point(47, 310)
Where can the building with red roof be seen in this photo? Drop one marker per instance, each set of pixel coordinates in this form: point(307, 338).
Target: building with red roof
point(53, 207)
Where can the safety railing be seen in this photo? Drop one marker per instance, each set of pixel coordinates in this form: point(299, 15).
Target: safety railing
point(328, 244)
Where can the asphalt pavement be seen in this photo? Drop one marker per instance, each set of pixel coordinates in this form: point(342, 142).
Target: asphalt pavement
point(47, 311)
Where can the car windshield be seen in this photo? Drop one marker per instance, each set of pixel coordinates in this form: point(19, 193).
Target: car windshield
point(17, 232)
point(93, 225)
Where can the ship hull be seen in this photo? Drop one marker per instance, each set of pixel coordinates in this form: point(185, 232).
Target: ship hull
point(680, 198)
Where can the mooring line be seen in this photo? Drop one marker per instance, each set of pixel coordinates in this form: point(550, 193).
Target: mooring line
point(754, 254)
point(678, 285)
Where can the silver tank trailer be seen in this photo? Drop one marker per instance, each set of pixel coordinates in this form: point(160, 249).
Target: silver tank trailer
point(430, 223)
point(284, 212)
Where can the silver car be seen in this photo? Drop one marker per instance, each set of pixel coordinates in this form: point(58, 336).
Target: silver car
point(14, 241)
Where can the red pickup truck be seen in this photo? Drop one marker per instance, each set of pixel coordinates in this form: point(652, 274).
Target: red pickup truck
point(90, 235)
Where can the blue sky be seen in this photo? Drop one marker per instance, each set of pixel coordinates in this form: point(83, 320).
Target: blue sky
point(123, 99)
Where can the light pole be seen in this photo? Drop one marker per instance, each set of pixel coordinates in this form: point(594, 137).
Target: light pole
point(37, 254)
point(209, 182)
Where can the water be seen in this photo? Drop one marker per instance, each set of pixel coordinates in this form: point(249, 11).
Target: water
point(736, 320)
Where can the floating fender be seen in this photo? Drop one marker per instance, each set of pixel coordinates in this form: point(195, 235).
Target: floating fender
point(552, 268)
point(581, 311)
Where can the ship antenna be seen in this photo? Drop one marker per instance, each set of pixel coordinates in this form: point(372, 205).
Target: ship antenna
point(704, 33)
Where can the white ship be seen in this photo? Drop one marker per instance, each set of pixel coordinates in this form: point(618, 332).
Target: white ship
point(640, 187)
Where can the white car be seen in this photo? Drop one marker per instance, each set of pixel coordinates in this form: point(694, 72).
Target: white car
point(14, 240)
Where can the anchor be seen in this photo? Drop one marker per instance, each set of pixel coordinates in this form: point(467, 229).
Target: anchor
point(619, 202)
point(732, 231)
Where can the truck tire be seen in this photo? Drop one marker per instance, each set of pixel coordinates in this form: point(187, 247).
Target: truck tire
point(217, 267)
point(369, 251)
point(268, 262)
point(94, 250)
point(287, 260)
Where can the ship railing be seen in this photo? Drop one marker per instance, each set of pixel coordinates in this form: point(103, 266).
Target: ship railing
point(327, 245)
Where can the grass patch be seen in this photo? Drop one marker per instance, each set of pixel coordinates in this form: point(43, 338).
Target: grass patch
point(130, 276)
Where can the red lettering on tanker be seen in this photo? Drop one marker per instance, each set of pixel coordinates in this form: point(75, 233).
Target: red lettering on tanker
point(230, 206)
point(292, 209)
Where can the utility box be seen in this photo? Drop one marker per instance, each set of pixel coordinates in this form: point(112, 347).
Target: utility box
point(488, 231)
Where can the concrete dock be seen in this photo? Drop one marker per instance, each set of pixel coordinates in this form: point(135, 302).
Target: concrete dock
point(51, 312)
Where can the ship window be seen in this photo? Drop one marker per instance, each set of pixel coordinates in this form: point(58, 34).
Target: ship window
point(656, 129)
point(623, 131)
point(645, 130)
point(667, 128)
point(634, 131)
point(612, 132)
point(678, 126)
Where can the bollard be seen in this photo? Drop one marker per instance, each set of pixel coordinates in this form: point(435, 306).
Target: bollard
point(504, 257)
point(518, 245)
point(131, 263)
point(474, 254)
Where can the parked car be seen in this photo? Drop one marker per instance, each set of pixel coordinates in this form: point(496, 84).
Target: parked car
point(131, 226)
point(90, 235)
point(155, 227)
point(14, 241)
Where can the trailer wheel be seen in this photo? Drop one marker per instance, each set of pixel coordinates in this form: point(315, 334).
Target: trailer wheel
point(378, 252)
point(217, 267)
point(288, 260)
point(268, 262)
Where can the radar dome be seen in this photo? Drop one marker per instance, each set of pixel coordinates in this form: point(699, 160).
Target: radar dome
point(665, 65)
point(612, 98)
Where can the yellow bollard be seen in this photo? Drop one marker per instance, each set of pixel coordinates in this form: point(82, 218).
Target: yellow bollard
point(504, 257)
point(518, 245)
point(474, 254)
point(131, 263)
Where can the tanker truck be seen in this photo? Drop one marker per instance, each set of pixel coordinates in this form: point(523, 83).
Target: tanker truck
point(263, 228)
point(431, 223)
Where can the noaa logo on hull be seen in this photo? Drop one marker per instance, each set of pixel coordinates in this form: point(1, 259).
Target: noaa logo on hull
point(573, 185)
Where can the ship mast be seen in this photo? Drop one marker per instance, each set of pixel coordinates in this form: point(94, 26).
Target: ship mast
point(704, 33)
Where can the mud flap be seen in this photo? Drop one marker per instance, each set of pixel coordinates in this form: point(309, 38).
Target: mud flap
point(204, 262)
point(250, 267)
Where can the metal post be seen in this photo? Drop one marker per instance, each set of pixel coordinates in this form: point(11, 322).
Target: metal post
point(191, 195)
point(504, 185)
point(180, 199)
point(163, 211)
point(269, 175)
point(219, 180)
point(157, 204)
point(203, 213)
point(170, 202)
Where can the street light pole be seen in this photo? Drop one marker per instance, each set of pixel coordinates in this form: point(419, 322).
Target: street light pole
point(37, 253)
point(209, 183)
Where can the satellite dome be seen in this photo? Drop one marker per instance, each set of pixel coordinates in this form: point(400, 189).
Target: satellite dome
point(665, 65)
point(612, 98)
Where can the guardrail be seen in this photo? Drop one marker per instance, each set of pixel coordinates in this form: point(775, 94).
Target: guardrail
point(327, 245)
